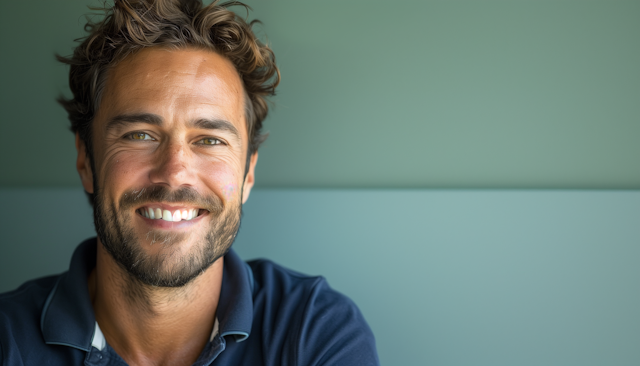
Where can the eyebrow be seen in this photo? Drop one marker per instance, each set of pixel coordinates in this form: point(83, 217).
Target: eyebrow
point(127, 119)
point(216, 124)
point(154, 119)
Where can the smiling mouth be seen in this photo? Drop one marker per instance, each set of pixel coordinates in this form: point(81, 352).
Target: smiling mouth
point(156, 213)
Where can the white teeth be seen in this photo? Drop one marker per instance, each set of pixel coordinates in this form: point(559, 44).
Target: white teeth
point(166, 215)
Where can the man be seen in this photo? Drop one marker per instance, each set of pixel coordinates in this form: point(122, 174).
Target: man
point(168, 103)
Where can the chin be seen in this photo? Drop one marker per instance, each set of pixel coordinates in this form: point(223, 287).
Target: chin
point(165, 257)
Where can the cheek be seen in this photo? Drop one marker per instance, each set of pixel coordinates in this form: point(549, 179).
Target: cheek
point(122, 171)
point(223, 179)
point(228, 185)
point(229, 190)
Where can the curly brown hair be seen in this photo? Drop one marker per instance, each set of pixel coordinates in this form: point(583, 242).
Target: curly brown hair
point(132, 25)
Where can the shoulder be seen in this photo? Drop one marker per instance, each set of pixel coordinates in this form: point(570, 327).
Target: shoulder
point(318, 325)
point(290, 293)
point(20, 312)
point(27, 300)
point(286, 287)
point(274, 279)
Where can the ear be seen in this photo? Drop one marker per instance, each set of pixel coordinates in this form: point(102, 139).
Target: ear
point(249, 179)
point(83, 164)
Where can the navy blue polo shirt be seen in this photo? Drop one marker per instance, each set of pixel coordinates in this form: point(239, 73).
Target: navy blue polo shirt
point(267, 315)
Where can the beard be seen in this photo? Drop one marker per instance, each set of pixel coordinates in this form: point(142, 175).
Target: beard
point(169, 267)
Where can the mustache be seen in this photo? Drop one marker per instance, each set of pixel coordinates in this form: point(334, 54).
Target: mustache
point(185, 195)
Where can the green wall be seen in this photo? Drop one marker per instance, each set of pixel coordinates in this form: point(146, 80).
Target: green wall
point(478, 94)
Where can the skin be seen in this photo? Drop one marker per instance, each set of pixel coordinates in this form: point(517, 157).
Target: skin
point(155, 325)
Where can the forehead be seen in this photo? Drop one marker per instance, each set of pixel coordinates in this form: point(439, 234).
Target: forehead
point(175, 84)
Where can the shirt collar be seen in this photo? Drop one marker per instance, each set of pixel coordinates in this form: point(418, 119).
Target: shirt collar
point(67, 317)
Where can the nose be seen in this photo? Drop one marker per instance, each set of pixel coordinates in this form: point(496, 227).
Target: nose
point(172, 166)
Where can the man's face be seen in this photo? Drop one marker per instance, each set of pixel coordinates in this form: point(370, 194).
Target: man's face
point(170, 140)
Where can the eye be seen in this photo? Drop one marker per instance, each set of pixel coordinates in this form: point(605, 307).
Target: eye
point(209, 141)
point(139, 136)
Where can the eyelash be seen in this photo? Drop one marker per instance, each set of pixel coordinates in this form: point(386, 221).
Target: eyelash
point(130, 136)
point(216, 141)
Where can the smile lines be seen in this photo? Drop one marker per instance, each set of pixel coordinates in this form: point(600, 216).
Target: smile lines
point(166, 215)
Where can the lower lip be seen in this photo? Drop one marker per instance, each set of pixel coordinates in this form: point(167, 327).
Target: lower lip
point(169, 225)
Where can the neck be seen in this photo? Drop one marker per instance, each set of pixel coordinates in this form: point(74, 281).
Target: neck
point(149, 325)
